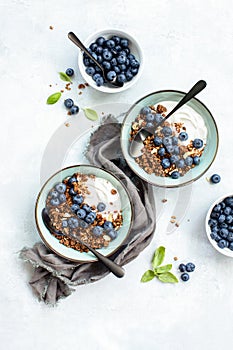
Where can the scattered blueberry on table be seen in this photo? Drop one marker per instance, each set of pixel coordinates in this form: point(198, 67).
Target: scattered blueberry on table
point(69, 104)
point(215, 178)
point(186, 269)
point(70, 72)
point(115, 57)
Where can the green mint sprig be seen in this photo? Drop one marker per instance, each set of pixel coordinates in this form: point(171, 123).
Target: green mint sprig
point(161, 272)
point(65, 77)
point(53, 98)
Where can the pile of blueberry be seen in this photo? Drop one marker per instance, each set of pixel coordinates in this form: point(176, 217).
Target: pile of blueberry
point(185, 269)
point(221, 223)
point(169, 150)
point(114, 56)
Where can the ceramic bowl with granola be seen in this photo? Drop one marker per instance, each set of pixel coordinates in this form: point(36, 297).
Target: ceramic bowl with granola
point(181, 149)
point(87, 202)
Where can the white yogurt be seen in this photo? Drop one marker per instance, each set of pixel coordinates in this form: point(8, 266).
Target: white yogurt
point(192, 121)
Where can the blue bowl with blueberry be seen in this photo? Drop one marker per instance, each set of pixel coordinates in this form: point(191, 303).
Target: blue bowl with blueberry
point(119, 54)
point(219, 225)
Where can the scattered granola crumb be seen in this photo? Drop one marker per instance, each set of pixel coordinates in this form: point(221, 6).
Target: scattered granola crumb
point(172, 221)
point(80, 93)
point(67, 87)
point(62, 91)
point(81, 86)
point(86, 84)
point(68, 113)
point(177, 224)
point(164, 200)
point(207, 179)
point(51, 27)
point(67, 124)
point(113, 191)
point(175, 258)
point(173, 217)
point(50, 85)
point(102, 113)
point(111, 203)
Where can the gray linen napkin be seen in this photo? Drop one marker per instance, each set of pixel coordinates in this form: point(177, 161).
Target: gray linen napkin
point(54, 277)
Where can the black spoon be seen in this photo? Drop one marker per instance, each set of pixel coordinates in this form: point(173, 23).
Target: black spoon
point(116, 269)
point(135, 149)
point(77, 42)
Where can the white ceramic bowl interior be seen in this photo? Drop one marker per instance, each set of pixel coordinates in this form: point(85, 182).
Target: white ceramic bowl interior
point(69, 253)
point(224, 251)
point(135, 49)
point(208, 154)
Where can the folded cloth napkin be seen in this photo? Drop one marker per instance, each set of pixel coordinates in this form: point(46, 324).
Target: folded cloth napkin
point(54, 277)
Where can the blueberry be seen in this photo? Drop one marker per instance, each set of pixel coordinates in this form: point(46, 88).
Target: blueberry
point(74, 207)
point(214, 215)
point(215, 178)
point(78, 199)
point(99, 50)
point(69, 102)
point(106, 65)
point(197, 143)
point(217, 208)
point(99, 81)
point(150, 118)
point(124, 42)
point(93, 214)
point(174, 158)
point(230, 228)
point(97, 230)
point(83, 224)
point(223, 243)
point(98, 70)
point(110, 43)
point(74, 109)
point(213, 235)
point(176, 150)
point(107, 55)
point(87, 208)
point(96, 76)
point(175, 175)
point(101, 206)
point(182, 267)
point(167, 131)
point(131, 57)
point(62, 198)
point(215, 229)
point(229, 219)
point(150, 125)
point(116, 69)
point(165, 163)
point(170, 149)
point(212, 222)
point(121, 78)
point(158, 118)
point(54, 201)
point(72, 192)
point(72, 180)
point(128, 75)
point(113, 62)
point(111, 75)
point(116, 39)
point(134, 64)
point(121, 59)
point(145, 110)
point(229, 201)
point(94, 55)
point(184, 277)
point(223, 225)
point(196, 160)
point(221, 218)
point(174, 140)
point(227, 210)
point(64, 223)
point(157, 140)
point(223, 205)
point(123, 52)
point(81, 213)
point(122, 67)
point(183, 136)
point(167, 141)
point(108, 225)
point(99, 59)
point(70, 72)
point(54, 194)
point(190, 267)
point(180, 164)
point(112, 234)
point(230, 237)
point(188, 161)
point(73, 222)
point(93, 47)
point(100, 41)
point(89, 218)
point(60, 187)
point(161, 152)
point(134, 71)
point(117, 48)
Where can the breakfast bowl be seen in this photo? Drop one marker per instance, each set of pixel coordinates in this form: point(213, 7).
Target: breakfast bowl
point(181, 150)
point(89, 202)
point(219, 225)
point(122, 59)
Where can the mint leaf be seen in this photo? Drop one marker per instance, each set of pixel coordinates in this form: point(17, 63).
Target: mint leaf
point(147, 276)
point(158, 257)
point(167, 277)
point(163, 269)
point(53, 98)
point(64, 77)
point(90, 113)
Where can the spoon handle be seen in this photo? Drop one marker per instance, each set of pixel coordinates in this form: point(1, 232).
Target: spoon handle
point(77, 42)
point(198, 87)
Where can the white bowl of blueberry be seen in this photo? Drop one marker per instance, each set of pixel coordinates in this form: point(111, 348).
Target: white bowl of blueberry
point(119, 54)
point(219, 225)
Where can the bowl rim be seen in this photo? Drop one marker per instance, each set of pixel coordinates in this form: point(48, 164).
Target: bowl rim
point(151, 182)
point(127, 85)
point(225, 251)
point(36, 213)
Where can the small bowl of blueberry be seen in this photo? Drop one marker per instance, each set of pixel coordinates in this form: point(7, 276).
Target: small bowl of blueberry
point(119, 54)
point(219, 225)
